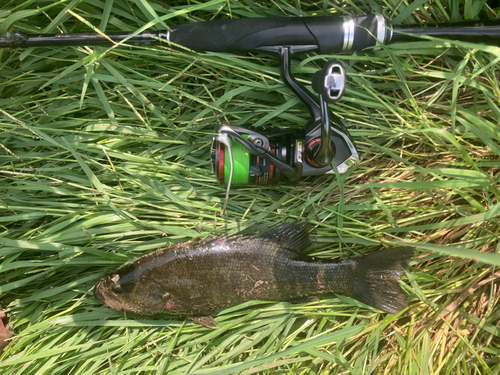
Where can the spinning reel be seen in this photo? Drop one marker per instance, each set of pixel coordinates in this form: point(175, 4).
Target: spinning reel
point(244, 156)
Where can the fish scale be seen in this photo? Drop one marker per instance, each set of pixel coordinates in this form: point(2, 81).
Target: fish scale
point(199, 279)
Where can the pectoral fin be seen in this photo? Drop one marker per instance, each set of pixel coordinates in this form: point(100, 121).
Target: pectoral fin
point(206, 321)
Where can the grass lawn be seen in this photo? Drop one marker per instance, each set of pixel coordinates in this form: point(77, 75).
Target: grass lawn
point(105, 156)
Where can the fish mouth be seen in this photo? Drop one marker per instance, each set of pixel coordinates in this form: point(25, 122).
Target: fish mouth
point(102, 294)
point(99, 293)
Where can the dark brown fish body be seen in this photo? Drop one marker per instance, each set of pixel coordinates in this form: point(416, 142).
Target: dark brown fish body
point(202, 278)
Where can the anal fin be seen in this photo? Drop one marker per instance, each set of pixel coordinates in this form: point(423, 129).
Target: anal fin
point(206, 321)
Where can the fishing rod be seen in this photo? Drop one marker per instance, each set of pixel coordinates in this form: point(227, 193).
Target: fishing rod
point(326, 34)
point(243, 156)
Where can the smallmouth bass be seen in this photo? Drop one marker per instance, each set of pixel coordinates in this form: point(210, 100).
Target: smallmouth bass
point(199, 279)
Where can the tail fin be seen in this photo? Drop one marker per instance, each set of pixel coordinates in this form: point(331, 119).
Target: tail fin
point(377, 279)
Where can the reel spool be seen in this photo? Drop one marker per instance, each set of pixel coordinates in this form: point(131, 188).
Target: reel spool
point(249, 165)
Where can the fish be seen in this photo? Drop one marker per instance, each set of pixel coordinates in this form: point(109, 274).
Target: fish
point(198, 279)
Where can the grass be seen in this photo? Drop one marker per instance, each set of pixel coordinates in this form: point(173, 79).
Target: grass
point(105, 157)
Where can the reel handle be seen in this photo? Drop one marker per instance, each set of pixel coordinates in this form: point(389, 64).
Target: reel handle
point(329, 83)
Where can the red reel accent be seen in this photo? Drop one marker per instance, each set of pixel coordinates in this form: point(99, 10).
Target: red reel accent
point(271, 167)
point(307, 152)
point(256, 177)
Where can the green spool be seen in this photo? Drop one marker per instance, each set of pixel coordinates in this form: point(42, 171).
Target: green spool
point(241, 163)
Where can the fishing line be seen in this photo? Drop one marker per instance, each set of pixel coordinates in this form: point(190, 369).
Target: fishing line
point(236, 164)
point(241, 162)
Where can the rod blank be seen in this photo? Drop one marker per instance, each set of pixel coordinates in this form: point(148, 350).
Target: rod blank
point(474, 31)
point(19, 39)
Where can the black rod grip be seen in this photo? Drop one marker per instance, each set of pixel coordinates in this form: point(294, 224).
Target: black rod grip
point(327, 33)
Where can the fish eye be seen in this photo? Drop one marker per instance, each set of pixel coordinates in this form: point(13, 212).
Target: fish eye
point(116, 289)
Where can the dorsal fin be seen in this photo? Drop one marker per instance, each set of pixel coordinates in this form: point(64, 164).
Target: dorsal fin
point(293, 236)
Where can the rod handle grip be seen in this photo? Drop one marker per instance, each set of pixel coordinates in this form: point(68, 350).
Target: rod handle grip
point(329, 34)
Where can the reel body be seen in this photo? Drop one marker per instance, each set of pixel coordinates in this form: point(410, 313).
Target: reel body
point(243, 156)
